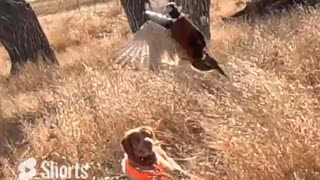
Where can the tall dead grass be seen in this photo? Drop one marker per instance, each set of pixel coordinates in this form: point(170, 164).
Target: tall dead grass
point(263, 123)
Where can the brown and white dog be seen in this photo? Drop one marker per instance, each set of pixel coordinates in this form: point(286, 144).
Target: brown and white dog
point(144, 159)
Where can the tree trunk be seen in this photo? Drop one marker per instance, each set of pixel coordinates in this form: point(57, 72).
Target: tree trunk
point(22, 35)
point(134, 10)
point(199, 13)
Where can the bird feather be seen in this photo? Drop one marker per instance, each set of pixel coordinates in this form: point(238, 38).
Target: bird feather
point(151, 46)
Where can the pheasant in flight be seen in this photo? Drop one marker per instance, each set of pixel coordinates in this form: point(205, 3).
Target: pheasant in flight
point(167, 38)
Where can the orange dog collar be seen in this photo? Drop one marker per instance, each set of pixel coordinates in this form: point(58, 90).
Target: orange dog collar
point(145, 175)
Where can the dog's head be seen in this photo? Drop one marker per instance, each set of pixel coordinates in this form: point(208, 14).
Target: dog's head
point(138, 144)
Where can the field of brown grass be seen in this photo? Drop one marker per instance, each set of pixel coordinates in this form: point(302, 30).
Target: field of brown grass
point(262, 123)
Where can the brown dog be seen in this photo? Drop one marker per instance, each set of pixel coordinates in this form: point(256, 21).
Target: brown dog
point(144, 158)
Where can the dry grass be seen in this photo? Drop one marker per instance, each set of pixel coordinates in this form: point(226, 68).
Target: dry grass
point(45, 7)
point(261, 124)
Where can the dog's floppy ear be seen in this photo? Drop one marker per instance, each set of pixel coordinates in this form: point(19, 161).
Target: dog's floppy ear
point(126, 145)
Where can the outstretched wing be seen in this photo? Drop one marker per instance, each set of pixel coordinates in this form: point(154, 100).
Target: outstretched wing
point(150, 47)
